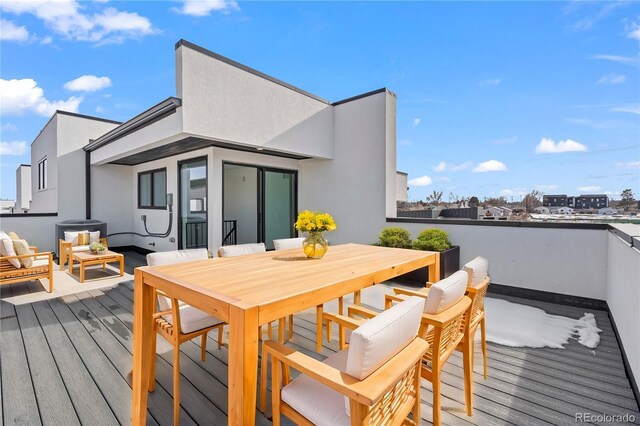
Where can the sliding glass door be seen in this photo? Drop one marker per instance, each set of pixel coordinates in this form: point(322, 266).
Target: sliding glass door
point(259, 204)
point(192, 203)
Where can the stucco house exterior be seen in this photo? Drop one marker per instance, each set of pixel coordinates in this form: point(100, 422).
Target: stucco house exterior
point(232, 157)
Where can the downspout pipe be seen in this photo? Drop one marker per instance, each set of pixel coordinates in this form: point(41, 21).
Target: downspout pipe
point(87, 182)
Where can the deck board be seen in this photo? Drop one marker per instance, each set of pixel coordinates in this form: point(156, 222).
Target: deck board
point(77, 352)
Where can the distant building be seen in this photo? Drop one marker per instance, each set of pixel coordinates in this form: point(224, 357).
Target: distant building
point(23, 188)
point(589, 201)
point(7, 206)
point(607, 210)
point(554, 200)
point(579, 202)
point(541, 210)
point(497, 211)
point(561, 210)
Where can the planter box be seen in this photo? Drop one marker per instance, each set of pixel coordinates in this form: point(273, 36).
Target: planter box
point(449, 263)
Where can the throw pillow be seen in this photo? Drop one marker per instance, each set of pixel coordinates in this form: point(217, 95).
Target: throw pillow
point(6, 249)
point(94, 236)
point(83, 238)
point(21, 247)
point(72, 236)
point(13, 236)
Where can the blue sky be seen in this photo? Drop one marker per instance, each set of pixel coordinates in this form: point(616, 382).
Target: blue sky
point(494, 98)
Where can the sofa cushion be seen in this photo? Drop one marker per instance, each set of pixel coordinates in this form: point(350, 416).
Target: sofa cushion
point(445, 293)
point(21, 247)
point(192, 319)
point(477, 269)
point(6, 249)
point(13, 236)
point(83, 238)
point(81, 248)
point(94, 236)
point(288, 243)
point(318, 403)
point(40, 262)
point(72, 236)
point(382, 337)
point(242, 249)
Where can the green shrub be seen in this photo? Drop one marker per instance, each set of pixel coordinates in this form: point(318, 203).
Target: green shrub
point(395, 237)
point(432, 240)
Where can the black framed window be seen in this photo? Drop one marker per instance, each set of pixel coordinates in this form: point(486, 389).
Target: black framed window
point(42, 174)
point(152, 189)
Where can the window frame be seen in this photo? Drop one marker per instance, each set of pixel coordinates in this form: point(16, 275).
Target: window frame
point(151, 189)
point(42, 174)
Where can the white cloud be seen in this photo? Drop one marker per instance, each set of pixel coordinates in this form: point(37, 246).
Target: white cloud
point(416, 121)
point(88, 83)
point(420, 181)
point(99, 109)
point(444, 167)
point(491, 82)
point(634, 32)
point(46, 40)
point(616, 58)
point(548, 146)
point(23, 96)
point(8, 127)
point(11, 32)
point(205, 7)
point(442, 179)
point(66, 17)
point(632, 109)
point(612, 79)
point(592, 188)
point(490, 166)
point(628, 165)
point(13, 148)
point(507, 192)
point(505, 141)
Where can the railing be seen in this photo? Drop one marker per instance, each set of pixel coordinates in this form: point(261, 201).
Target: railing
point(195, 235)
point(230, 233)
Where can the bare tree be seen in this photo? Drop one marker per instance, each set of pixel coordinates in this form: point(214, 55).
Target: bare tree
point(435, 198)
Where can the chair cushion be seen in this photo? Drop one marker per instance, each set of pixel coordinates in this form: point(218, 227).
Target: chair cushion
point(13, 236)
point(170, 257)
point(80, 248)
point(318, 403)
point(288, 243)
point(192, 319)
point(176, 256)
point(242, 249)
point(445, 293)
point(21, 247)
point(6, 249)
point(477, 269)
point(382, 337)
point(40, 262)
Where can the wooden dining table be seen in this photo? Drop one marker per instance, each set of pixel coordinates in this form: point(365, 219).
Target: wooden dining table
point(252, 290)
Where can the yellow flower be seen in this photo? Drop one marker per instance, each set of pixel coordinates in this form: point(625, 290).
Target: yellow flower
point(314, 222)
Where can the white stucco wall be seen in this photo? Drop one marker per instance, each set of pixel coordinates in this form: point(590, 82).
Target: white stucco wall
point(37, 230)
point(358, 186)
point(623, 297)
point(401, 187)
point(23, 188)
point(223, 102)
point(111, 193)
point(566, 261)
point(44, 146)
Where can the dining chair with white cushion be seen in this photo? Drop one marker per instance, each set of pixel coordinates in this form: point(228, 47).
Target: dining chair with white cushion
point(374, 381)
point(178, 322)
point(288, 243)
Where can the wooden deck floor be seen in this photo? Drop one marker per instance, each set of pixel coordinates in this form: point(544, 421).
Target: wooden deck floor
point(65, 361)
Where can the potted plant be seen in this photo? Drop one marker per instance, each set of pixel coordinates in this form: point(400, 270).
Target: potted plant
point(97, 247)
point(429, 240)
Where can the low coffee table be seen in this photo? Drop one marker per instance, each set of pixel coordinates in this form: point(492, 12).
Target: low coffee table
point(86, 258)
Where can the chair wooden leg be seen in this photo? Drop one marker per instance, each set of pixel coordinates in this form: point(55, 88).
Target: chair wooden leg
point(263, 381)
point(416, 406)
point(176, 385)
point(221, 333)
point(270, 331)
point(152, 368)
point(329, 328)
point(467, 360)
point(260, 334)
point(436, 396)
point(281, 330)
point(203, 347)
point(290, 327)
point(275, 392)
point(319, 310)
point(483, 335)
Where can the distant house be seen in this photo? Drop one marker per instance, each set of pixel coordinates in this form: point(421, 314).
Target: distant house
point(554, 200)
point(607, 210)
point(562, 210)
point(23, 188)
point(402, 187)
point(541, 210)
point(497, 211)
